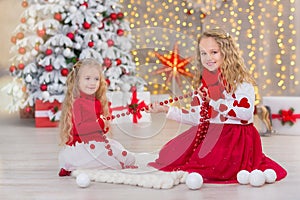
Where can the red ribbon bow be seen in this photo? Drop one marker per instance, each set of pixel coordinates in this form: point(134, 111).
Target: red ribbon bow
point(135, 107)
point(286, 116)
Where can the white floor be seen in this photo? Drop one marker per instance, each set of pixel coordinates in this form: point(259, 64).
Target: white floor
point(28, 165)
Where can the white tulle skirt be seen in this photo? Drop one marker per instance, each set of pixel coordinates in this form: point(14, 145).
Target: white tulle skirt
point(99, 155)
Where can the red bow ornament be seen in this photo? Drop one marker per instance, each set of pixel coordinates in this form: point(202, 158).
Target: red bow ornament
point(135, 107)
point(286, 116)
point(54, 113)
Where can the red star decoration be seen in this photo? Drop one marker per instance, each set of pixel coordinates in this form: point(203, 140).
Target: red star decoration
point(174, 65)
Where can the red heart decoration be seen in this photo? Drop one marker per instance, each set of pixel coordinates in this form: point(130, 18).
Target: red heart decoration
point(222, 118)
point(223, 107)
point(212, 113)
point(195, 101)
point(235, 103)
point(193, 110)
point(244, 103)
point(232, 113)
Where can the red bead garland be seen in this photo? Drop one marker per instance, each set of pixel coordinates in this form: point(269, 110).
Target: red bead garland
point(204, 108)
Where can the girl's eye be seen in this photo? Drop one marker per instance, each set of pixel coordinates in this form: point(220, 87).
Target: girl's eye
point(87, 78)
point(203, 54)
point(97, 79)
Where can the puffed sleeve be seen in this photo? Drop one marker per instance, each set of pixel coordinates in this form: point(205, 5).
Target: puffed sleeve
point(190, 116)
point(238, 106)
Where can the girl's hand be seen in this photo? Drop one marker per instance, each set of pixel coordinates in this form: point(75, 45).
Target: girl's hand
point(157, 108)
point(104, 123)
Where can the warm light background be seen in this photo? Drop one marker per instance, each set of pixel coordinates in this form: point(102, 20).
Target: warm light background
point(266, 31)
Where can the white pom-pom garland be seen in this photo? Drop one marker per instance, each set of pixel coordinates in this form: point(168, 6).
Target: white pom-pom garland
point(257, 178)
point(194, 181)
point(270, 175)
point(83, 180)
point(243, 177)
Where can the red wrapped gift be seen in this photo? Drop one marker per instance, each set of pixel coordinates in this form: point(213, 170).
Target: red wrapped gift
point(47, 114)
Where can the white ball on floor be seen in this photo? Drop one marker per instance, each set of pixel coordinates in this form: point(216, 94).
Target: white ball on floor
point(257, 178)
point(194, 181)
point(243, 177)
point(270, 175)
point(83, 180)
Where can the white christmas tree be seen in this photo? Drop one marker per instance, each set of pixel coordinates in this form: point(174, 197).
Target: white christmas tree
point(54, 34)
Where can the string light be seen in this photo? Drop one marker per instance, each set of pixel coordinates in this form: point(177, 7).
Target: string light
point(157, 24)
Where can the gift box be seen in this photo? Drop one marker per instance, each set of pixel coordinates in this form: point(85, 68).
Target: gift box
point(285, 114)
point(47, 114)
point(128, 107)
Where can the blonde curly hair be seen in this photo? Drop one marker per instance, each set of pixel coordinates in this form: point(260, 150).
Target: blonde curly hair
point(233, 68)
point(73, 92)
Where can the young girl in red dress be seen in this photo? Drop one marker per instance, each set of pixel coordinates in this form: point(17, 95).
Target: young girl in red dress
point(222, 140)
point(83, 129)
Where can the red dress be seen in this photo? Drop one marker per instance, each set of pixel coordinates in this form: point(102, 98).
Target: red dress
point(228, 142)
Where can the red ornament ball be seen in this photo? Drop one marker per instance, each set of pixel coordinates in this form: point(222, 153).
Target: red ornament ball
point(22, 50)
point(41, 32)
point(91, 44)
point(23, 20)
point(48, 52)
point(85, 4)
point(20, 35)
point(120, 32)
point(64, 72)
point(12, 68)
point(86, 25)
point(24, 3)
point(113, 16)
point(120, 15)
point(71, 35)
point(107, 81)
point(21, 66)
point(57, 16)
point(107, 62)
point(13, 39)
point(43, 87)
point(49, 68)
point(118, 61)
point(110, 42)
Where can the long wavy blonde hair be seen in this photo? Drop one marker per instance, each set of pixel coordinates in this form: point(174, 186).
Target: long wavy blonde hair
point(73, 92)
point(233, 68)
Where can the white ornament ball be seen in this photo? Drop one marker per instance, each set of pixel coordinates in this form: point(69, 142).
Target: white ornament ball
point(45, 95)
point(270, 175)
point(257, 178)
point(194, 181)
point(83, 180)
point(28, 78)
point(243, 177)
point(77, 46)
point(67, 52)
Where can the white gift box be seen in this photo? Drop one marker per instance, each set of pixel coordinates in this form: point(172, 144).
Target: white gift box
point(284, 104)
point(120, 102)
